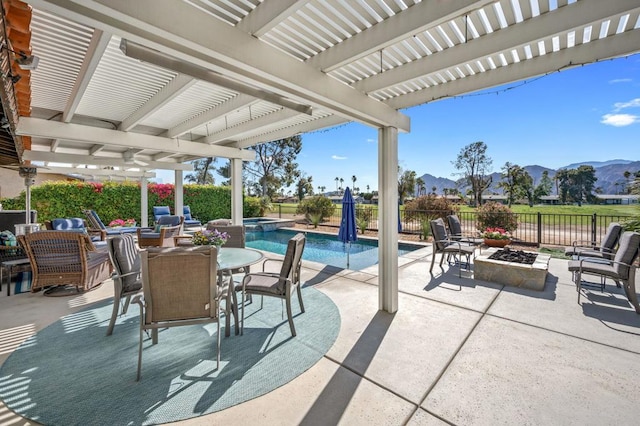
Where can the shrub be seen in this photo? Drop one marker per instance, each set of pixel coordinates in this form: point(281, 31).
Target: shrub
point(364, 214)
point(428, 207)
point(316, 208)
point(496, 215)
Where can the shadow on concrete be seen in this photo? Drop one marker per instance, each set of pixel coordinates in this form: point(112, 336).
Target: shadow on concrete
point(337, 394)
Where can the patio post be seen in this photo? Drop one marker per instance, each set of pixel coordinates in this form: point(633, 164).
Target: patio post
point(236, 191)
point(388, 219)
point(144, 202)
point(178, 201)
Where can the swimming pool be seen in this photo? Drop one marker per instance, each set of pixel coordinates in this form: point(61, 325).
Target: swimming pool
point(325, 249)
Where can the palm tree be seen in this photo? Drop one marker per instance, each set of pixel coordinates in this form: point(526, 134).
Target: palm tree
point(337, 179)
point(420, 185)
point(368, 188)
point(341, 182)
point(354, 179)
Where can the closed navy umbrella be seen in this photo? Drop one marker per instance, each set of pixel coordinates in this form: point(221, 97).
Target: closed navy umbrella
point(348, 231)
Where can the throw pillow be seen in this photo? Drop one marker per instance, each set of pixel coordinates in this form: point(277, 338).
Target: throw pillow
point(159, 227)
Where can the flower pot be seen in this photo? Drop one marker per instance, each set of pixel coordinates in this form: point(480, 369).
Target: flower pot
point(496, 243)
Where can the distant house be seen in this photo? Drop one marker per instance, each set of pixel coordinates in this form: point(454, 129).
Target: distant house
point(550, 199)
point(617, 199)
point(285, 199)
point(495, 198)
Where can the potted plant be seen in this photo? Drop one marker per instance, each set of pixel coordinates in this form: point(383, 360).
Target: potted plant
point(207, 237)
point(496, 237)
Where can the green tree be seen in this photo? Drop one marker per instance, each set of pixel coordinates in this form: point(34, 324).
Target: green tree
point(474, 166)
point(316, 209)
point(544, 187)
point(202, 171)
point(576, 185)
point(304, 187)
point(275, 165)
point(421, 186)
point(516, 183)
point(406, 183)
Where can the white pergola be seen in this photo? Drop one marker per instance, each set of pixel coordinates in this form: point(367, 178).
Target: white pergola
point(163, 82)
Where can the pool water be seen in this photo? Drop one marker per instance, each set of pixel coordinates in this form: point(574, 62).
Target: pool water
point(327, 249)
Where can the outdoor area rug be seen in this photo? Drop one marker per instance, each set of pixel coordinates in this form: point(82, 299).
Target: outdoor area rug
point(71, 373)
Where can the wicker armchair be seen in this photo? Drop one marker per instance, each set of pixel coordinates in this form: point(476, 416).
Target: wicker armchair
point(61, 258)
point(169, 227)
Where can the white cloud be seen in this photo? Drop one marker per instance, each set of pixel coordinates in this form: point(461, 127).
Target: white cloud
point(620, 80)
point(631, 104)
point(337, 157)
point(619, 120)
point(371, 140)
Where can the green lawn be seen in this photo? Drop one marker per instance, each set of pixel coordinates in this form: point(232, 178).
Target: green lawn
point(586, 209)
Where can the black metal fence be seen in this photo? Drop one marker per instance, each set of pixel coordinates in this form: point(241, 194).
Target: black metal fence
point(533, 228)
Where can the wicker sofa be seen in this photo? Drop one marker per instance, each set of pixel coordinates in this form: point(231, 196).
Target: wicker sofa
point(61, 258)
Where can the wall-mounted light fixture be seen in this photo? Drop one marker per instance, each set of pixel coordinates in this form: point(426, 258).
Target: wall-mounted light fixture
point(24, 61)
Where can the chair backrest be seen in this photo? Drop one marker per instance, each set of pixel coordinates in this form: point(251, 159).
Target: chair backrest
point(159, 211)
point(56, 251)
point(186, 212)
point(94, 220)
point(237, 235)
point(180, 283)
point(612, 236)
point(125, 257)
point(212, 224)
point(627, 252)
point(455, 227)
point(292, 259)
point(75, 224)
point(438, 232)
point(169, 220)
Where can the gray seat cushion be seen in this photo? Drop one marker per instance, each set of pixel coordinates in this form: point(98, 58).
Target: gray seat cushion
point(126, 259)
point(263, 284)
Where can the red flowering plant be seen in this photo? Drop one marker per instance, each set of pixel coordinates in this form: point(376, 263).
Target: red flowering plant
point(495, 234)
point(120, 222)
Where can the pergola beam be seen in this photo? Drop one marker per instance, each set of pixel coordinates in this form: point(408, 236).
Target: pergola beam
point(176, 86)
point(29, 126)
point(101, 172)
point(577, 15)
point(320, 123)
point(264, 18)
point(236, 132)
point(46, 156)
point(593, 51)
point(237, 102)
point(411, 21)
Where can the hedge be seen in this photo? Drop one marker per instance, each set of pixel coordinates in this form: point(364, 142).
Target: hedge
point(116, 200)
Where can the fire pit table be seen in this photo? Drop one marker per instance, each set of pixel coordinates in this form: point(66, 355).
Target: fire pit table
point(512, 273)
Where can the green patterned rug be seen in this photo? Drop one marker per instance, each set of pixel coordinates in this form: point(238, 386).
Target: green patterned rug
point(70, 373)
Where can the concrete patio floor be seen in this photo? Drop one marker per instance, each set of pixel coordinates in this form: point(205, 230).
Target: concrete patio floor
point(458, 351)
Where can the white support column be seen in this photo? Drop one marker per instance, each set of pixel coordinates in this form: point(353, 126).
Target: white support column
point(236, 191)
point(144, 202)
point(179, 195)
point(388, 219)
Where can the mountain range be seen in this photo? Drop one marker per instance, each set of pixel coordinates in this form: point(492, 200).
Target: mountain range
point(610, 175)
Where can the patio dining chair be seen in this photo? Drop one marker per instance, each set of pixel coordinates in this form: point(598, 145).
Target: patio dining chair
point(281, 284)
point(445, 245)
point(606, 249)
point(180, 287)
point(456, 234)
point(127, 281)
point(621, 269)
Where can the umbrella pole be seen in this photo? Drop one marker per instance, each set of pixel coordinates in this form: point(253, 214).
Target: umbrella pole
point(348, 252)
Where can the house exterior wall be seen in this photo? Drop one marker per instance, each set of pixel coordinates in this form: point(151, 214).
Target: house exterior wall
point(11, 184)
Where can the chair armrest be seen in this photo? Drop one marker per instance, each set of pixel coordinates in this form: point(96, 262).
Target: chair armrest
point(100, 232)
point(584, 243)
point(270, 260)
point(264, 274)
point(114, 274)
point(603, 262)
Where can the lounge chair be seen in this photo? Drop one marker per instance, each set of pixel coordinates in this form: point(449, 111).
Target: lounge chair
point(97, 223)
point(60, 258)
point(621, 269)
point(180, 287)
point(189, 221)
point(605, 250)
point(282, 284)
point(442, 243)
point(159, 211)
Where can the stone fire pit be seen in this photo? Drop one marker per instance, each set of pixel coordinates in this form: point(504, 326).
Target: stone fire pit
point(531, 277)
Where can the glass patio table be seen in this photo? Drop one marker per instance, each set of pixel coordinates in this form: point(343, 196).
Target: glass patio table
point(230, 259)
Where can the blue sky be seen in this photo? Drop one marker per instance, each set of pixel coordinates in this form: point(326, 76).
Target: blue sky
point(590, 113)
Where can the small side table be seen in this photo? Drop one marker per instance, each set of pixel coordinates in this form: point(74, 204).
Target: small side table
point(182, 240)
point(10, 264)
